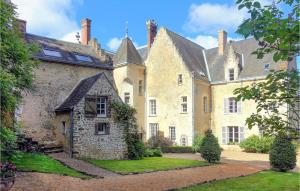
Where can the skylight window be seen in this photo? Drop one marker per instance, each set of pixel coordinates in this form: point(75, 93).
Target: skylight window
point(266, 66)
point(53, 53)
point(83, 58)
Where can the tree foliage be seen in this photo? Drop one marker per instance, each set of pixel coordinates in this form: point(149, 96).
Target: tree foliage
point(210, 149)
point(124, 114)
point(277, 32)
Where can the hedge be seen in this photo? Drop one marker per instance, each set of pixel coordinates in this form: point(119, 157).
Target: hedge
point(177, 149)
point(257, 144)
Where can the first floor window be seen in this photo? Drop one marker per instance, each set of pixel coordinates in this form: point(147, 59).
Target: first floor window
point(172, 133)
point(102, 129)
point(232, 134)
point(184, 104)
point(231, 105)
point(127, 98)
point(205, 104)
point(154, 129)
point(152, 105)
point(101, 106)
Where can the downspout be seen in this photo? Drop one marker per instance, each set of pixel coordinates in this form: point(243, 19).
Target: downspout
point(193, 105)
point(71, 133)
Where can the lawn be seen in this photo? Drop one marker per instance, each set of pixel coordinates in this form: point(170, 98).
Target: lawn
point(146, 164)
point(263, 181)
point(37, 162)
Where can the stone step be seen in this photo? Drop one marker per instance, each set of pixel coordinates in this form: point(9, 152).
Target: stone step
point(54, 151)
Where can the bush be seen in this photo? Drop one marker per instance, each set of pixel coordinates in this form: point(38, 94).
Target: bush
point(256, 144)
point(159, 141)
point(7, 143)
point(197, 143)
point(210, 149)
point(177, 149)
point(135, 146)
point(282, 154)
point(153, 153)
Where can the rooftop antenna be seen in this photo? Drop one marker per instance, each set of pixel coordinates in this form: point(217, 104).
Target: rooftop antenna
point(126, 29)
point(78, 37)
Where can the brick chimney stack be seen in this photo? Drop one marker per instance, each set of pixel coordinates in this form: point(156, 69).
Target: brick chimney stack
point(151, 32)
point(85, 31)
point(21, 24)
point(222, 40)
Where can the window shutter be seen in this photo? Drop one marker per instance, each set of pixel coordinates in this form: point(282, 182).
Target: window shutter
point(108, 106)
point(224, 135)
point(242, 134)
point(90, 107)
point(239, 106)
point(225, 106)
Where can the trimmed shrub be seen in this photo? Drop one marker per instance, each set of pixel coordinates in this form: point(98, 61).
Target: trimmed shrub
point(197, 143)
point(256, 144)
point(282, 154)
point(177, 149)
point(159, 141)
point(153, 153)
point(210, 149)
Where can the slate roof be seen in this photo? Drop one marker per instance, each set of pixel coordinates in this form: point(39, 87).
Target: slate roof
point(67, 50)
point(78, 93)
point(191, 53)
point(143, 51)
point(127, 54)
point(253, 67)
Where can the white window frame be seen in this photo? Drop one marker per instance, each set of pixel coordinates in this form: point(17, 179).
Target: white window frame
point(180, 79)
point(152, 107)
point(184, 107)
point(232, 105)
point(235, 132)
point(127, 96)
point(101, 101)
point(231, 74)
point(153, 129)
point(172, 133)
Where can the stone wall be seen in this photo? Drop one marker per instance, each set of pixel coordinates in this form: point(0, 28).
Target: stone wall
point(86, 143)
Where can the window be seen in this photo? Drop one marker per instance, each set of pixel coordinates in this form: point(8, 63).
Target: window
point(205, 104)
point(184, 140)
point(184, 104)
point(266, 66)
point(101, 106)
point(152, 105)
point(232, 105)
point(127, 98)
point(179, 79)
point(140, 87)
point(53, 53)
point(102, 129)
point(154, 129)
point(83, 58)
point(232, 134)
point(63, 128)
point(231, 74)
point(172, 133)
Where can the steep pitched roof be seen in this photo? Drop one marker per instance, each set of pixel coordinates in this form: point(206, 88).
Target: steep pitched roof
point(68, 51)
point(143, 51)
point(191, 53)
point(252, 67)
point(78, 93)
point(127, 54)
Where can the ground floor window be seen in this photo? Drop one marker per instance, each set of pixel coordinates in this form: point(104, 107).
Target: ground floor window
point(102, 129)
point(184, 140)
point(172, 133)
point(232, 134)
point(154, 129)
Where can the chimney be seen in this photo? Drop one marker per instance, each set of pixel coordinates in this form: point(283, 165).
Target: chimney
point(85, 31)
point(21, 24)
point(222, 40)
point(151, 32)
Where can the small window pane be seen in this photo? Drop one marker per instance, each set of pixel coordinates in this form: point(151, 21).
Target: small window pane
point(83, 58)
point(180, 79)
point(54, 53)
point(231, 74)
point(152, 104)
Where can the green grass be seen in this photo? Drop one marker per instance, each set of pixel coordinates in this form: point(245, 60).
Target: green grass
point(146, 164)
point(263, 181)
point(37, 162)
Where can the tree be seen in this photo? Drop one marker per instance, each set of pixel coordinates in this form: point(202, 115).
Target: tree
point(16, 70)
point(277, 33)
point(210, 149)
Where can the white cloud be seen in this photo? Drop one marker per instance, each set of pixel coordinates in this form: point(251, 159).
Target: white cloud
point(209, 18)
point(71, 37)
point(52, 18)
point(114, 43)
point(208, 41)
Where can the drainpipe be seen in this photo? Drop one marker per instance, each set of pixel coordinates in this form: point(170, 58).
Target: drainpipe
point(193, 106)
point(71, 133)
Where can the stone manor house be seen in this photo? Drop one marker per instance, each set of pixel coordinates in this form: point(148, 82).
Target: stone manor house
point(178, 88)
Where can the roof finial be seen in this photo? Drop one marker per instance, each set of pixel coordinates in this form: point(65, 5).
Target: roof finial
point(126, 29)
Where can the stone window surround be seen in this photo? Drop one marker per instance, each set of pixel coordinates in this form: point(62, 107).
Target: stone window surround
point(104, 131)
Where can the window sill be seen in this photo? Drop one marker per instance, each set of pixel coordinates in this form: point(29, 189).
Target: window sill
point(152, 116)
point(101, 134)
point(101, 116)
point(183, 112)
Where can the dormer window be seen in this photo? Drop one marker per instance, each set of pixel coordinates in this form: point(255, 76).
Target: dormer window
point(83, 58)
point(53, 53)
point(266, 66)
point(231, 74)
point(179, 79)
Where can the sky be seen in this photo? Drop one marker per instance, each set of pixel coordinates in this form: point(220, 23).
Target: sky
point(197, 20)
